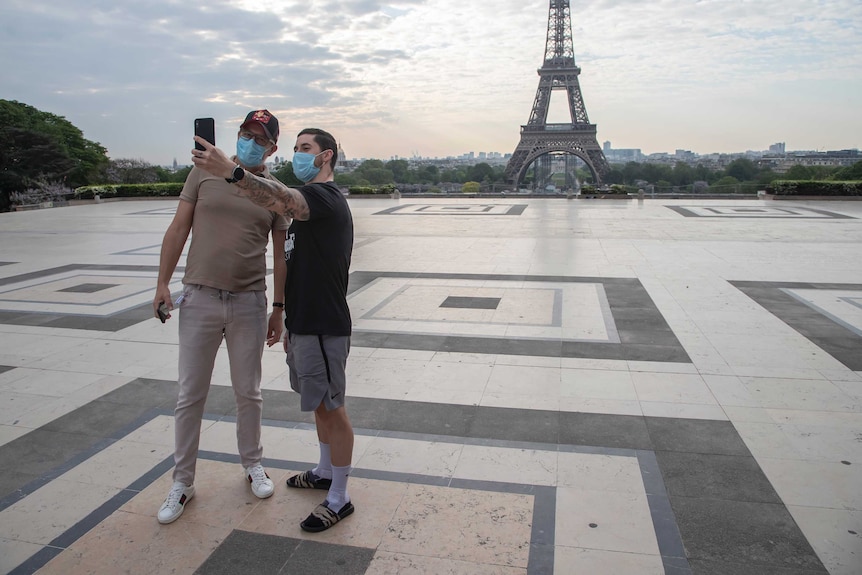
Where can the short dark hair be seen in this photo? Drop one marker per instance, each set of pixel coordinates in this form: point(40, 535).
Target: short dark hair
point(326, 142)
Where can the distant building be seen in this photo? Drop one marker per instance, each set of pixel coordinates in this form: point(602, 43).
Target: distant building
point(777, 148)
point(781, 163)
point(621, 155)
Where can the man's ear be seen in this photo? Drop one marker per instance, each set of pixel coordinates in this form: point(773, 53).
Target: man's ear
point(271, 151)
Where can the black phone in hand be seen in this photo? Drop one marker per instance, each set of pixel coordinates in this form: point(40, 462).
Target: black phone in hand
point(205, 128)
point(163, 312)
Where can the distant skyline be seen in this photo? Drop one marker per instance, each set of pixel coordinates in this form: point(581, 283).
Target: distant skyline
point(438, 77)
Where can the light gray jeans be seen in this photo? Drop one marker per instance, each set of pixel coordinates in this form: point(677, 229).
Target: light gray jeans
point(206, 316)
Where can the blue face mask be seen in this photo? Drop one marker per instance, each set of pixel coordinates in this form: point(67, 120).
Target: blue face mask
point(249, 153)
point(303, 166)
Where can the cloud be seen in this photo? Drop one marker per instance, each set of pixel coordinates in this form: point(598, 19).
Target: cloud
point(437, 76)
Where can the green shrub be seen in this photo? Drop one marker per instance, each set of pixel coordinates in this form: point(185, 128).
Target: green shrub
point(362, 190)
point(471, 187)
point(814, 188)
point(172, 189)
point(620, 189)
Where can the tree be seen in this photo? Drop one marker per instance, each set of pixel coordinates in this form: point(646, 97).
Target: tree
point(481, 172)
point(683, 174)
point(798, 172)
point(725, 182)
point(428, 175)
point(130, 171)
point(471, 187)
point(849, 173)
point(767, 176)
point(400, 170)
point(742, 169)
point(26, 156)
point(378, 176)
point(656, 172)
point(29, 160)
point(615, 176)
point(167, 176)
point(631, 172)
point(88, 158)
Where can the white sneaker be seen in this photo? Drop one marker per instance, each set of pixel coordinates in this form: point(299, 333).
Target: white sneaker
point(261, 484)
point(175, 503)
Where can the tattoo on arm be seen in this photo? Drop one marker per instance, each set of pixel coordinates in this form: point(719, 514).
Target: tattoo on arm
point(274, 196)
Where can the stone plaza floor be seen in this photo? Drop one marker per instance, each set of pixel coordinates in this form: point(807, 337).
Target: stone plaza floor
point(538, 386)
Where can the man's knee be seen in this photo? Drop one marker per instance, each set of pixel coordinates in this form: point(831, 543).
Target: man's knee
point(335, 418)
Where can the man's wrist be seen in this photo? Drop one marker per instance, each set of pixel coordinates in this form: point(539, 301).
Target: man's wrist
point(277, 305)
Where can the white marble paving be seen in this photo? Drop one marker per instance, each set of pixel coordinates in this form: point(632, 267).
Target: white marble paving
point(796, 407)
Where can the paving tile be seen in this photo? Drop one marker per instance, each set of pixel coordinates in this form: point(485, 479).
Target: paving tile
point(598, 472)
point(711, 476)
point(515, 425)
point(405, 456)
point(579, 560)
point(604, 430)
point(695, 436)
point(833, 485)
point(318, 557)
point(40, 451)
point(13, 553)
point(835, 534)
point(609, 521)
point(465, 525)
point(709, 333)
point(52, 509)
point(132, 543)
point(522, 466)
point(375, 501)
point(387, 563)
point(119, 464)
point(761, 535)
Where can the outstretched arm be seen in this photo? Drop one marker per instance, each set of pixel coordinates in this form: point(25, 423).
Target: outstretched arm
point(269, 194)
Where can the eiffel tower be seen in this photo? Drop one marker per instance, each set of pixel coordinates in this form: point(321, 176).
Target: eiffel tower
point(547, 146)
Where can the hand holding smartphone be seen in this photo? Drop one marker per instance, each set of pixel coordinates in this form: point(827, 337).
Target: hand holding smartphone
point(205, 128)
point(163, 312)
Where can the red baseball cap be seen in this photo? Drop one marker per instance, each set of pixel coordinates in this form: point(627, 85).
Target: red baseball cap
point(268, 122)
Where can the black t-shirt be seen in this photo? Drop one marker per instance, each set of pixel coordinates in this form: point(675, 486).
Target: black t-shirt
point(317, 253)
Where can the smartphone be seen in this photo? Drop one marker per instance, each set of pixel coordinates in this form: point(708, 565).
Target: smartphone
point(205, 128)
point(163, 312)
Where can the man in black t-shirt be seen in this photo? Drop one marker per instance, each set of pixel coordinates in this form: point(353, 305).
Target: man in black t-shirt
point(318, 249)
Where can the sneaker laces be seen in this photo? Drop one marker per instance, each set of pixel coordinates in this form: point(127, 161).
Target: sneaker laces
point(174, 496)
point(257, 474)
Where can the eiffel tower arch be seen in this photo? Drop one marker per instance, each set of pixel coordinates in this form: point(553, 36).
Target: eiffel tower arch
point(541, 143)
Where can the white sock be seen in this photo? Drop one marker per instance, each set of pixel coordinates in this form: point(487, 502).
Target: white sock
point(324, 467)
point(337, 496)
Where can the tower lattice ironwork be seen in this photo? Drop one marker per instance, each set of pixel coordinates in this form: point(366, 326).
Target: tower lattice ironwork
point(542, 143)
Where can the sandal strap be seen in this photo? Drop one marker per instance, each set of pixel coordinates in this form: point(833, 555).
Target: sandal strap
point(327, 516)
point(304, 479)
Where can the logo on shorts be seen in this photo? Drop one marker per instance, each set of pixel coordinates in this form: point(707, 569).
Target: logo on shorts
point(334, 396)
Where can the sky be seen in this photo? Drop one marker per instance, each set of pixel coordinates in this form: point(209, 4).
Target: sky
point(437, 78)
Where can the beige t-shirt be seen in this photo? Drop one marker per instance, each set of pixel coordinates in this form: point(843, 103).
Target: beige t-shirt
point(230, 234)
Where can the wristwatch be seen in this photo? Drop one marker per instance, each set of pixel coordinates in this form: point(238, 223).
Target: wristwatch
point(238, 174)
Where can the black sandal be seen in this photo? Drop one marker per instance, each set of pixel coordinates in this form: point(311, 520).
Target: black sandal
point(308, 480)
point(322, 518)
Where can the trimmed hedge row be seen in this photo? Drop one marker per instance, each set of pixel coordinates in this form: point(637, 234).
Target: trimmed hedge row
point(129, 190)
point(371, 190)
point(814, 188)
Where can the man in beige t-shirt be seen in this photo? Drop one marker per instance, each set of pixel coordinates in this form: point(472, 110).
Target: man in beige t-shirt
point(224, 297)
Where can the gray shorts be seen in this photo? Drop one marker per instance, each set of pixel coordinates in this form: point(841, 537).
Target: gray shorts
point(317, 364)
